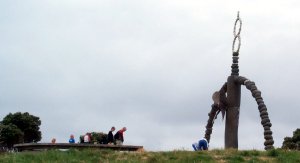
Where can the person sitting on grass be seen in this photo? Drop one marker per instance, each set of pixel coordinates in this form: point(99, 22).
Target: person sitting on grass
point(201, 145)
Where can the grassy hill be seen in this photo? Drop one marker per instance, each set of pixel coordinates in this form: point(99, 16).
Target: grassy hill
point(89, 155)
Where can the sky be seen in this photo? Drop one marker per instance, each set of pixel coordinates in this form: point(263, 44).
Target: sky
point(151, 66)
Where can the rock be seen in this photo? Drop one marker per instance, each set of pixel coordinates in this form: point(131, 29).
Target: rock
point(253, 87)
point(261, 105)
point(267, 128)
point(268, 147)
point(262, 109)
point(269, 142)
point(265, 116)
point(263, 113)
point(268, 137)
point(268, 132)
point(264, 121)
point(267, 124)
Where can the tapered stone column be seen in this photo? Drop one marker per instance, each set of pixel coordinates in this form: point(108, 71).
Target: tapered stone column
point(232, 113)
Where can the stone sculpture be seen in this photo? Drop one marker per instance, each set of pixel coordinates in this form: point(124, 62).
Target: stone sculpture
point(230, 105)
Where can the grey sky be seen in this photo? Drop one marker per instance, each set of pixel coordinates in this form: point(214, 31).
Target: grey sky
point(151, 66)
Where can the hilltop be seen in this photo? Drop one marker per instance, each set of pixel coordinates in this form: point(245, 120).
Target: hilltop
point(90, 155)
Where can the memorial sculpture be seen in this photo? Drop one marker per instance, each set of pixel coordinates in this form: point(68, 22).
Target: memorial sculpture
point(227, 100)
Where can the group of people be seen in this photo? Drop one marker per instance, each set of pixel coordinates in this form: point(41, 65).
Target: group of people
point(118, 138)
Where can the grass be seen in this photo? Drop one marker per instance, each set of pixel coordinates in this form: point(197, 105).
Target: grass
point(92, 155)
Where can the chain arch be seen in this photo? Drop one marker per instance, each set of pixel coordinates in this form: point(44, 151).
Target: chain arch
point(262, 108)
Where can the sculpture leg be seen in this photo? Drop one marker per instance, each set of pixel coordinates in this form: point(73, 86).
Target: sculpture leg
point(215, 109)
point(210, 122)
point(265, 120)
point(232, 113)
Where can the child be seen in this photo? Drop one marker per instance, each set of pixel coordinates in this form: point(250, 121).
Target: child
point(201, 145)
point(72, 140)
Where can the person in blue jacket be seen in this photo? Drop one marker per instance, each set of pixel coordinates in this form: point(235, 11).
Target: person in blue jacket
point(201, 145)
point(72, 140)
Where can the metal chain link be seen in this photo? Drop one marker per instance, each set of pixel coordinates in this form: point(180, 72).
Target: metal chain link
point(237, 34)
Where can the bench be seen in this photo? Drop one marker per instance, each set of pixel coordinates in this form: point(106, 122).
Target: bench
point(46, 146)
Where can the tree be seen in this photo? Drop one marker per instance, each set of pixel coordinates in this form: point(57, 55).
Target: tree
point(292, 142)
point(296, 135)
point(10, 135)
point(29, 126)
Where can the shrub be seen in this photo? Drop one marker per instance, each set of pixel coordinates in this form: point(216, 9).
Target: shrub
point(99, 137)
point(96, 137)
point(273, 153)
point(292, 142)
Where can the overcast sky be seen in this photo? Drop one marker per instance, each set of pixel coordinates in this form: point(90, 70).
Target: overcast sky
point(151, 66)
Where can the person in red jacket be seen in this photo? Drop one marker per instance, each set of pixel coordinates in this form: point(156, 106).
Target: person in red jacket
point(119, 136)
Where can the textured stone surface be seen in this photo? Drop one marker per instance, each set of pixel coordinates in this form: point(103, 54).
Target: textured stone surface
point(268, 147)
point(248, 85)
point(265, 116)
point(261, 105)
point(268, 137)
point(253, 87)
point(268, 132)
point(235, 66)
point(210, 122)
point(262, 109)
point(263, 113)
point(235, 70)
point(259, 101)
point(255, 91)
point(264, 121)
point(208, 131)
point(258, 98)
point(235, 54)
point(241, 80)
point(257, 94)
point(267, 124)
point(232, 114)
point(269, 142)
point(267, 128)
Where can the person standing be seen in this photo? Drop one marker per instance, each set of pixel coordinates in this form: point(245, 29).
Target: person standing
point(119, 136)
point(201, 145)
point(110, 137)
